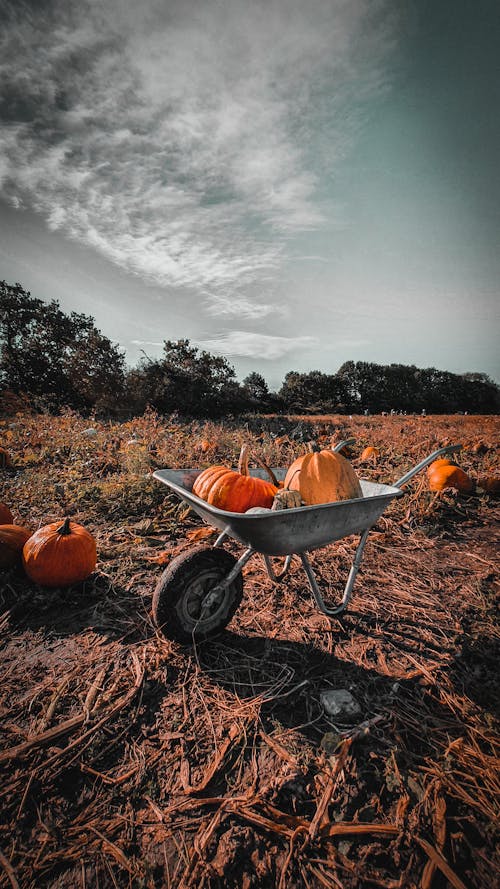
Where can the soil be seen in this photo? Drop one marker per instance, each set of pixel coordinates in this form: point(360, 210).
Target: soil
point(131, 760)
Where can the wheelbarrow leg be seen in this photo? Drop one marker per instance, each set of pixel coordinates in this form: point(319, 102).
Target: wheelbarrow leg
point(271, 572)
point(221, 538)
point(346, 598)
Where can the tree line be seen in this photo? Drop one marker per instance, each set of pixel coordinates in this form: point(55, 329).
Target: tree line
point(55, 359)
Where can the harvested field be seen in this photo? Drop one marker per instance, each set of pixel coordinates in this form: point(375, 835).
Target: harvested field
point(129, 760)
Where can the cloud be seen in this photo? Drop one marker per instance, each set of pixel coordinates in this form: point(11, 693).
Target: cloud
point(244, 344)
point(186, 142)
point(237, 305)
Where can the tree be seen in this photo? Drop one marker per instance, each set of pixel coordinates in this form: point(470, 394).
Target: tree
point(256, 391)
point(408, 388)
point(362, 385)
point(187, 380)
point(313, 392)
point(58, 358)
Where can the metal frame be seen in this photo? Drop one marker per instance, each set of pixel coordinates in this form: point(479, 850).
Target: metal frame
point(395, 490)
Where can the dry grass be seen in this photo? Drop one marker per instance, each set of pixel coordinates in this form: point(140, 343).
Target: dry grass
point(131, 761)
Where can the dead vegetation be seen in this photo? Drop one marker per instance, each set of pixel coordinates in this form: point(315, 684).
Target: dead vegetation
point(128, 760)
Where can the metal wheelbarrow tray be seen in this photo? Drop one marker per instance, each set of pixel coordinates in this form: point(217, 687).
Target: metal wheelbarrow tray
point(201, 589)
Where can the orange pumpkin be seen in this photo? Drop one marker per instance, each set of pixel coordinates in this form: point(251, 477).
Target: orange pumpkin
point(234, 491)
point(60, 554)
point(370, 454)
point(443, 474)
point(6, 517)
point(323, 477)
point(12, 540)
point(205, 445)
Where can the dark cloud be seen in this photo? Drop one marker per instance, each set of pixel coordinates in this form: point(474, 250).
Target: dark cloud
point(13, 11)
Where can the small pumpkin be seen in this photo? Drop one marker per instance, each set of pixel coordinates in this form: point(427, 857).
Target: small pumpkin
point(6, 517)
point(370, 454)
point(60, 554)
point(12, 539)
point(205, 445)
point(442, 474)
point(235, 491)
point(323, 477)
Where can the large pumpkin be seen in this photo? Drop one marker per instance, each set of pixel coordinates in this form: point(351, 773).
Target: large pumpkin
point(234, 491)
point(323, 477)
point(6, 517)
point(60, 554)
point(12, 540)
point(442, 474)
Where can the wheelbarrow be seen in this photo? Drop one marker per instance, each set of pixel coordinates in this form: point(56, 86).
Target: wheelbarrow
point(201, 589)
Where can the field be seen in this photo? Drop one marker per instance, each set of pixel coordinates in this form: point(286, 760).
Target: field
point(129, 760)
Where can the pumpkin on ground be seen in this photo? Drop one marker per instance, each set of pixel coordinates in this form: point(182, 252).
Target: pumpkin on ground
point(6, 517)
point(323, 477)
point(12, 540)
point(442, 474)
point(370, 454)
point(60, 554)
point(205, 445)
point(234, 491)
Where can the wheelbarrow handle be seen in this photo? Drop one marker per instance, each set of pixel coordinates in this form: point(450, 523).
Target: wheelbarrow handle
point(343, 444)
point(449, 449)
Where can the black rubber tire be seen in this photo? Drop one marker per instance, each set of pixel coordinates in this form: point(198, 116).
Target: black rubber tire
point(187, 579)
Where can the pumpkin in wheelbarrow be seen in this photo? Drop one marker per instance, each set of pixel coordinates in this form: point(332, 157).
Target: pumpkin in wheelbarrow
point(323, 477)
point(235, 491)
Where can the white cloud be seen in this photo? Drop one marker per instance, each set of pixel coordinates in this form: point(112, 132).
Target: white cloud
point(240, 306)
point(244, 344)
point(186, 142)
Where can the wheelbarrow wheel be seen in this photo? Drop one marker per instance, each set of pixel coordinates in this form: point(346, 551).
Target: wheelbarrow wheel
point(180, 606)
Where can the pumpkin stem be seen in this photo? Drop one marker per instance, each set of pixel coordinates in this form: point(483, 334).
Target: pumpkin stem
point(290, 480)
point(268, 470)
point(243, 460)
point(243, 464)
point(65, 528)
point(313, 446)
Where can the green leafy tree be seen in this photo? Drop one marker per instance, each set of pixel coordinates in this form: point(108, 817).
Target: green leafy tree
point(55, 358)
point(407, 388)
point(256, 391)
point(187, 380)
point(313, 392)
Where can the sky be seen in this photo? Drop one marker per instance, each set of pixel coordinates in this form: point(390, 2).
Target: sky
point(291, 185)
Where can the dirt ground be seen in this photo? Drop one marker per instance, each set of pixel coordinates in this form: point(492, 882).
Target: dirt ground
point(130, 760)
